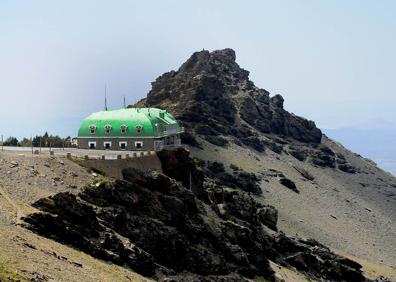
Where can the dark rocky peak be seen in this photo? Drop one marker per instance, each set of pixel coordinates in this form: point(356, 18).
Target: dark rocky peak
point(214, 63)
point(277, 101)
point(214, 98)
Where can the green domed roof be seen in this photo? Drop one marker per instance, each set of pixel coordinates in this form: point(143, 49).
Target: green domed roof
point(130, 122)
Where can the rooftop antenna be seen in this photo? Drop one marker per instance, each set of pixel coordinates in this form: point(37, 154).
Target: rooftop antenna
point(105, 98)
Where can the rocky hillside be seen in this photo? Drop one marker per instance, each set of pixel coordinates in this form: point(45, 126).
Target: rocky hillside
point(213, 96)
point(259, 191)
point(348, 202)
point(215, 100)
point(165, 229)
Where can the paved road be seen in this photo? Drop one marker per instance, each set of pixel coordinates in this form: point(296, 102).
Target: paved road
point(109, 154)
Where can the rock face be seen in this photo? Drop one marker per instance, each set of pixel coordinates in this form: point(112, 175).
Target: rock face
point(214, 98)
point(154, 224)
point(199, 220)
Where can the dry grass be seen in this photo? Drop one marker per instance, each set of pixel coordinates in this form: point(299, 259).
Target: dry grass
point(373, 270)
point(10, 276)
point(24, 255)
point(288, 274)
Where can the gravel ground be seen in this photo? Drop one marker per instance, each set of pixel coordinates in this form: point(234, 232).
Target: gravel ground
point(25, 178)
point(353, 214)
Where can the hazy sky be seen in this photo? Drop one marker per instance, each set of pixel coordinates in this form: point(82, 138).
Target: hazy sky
point(333, 61)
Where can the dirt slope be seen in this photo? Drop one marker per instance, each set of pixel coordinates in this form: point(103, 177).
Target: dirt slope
point(24, 255)
point(353, 214)
point(340, 198)
point(320, 189)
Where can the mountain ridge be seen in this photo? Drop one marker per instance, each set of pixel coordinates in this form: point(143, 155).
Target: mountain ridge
point(251, 170)
point(223, 90)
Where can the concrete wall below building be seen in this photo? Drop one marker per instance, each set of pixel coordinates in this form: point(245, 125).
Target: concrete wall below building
point(113, 168)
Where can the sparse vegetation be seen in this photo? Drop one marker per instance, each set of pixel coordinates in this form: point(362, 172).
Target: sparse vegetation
point(216, 140)
point(97, 171)
point(39, 141)
point(234, 167)
point(277, 172)
point(304, 173)
point(11, 141)
point(289, 184)
point(97, 181)
point(9, 276)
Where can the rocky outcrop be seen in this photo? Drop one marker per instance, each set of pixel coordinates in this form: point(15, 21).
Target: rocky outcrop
point(214, 98)
point(161, 226)
point(67, 219)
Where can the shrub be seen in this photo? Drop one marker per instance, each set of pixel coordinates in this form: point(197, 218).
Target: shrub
point(289, 184)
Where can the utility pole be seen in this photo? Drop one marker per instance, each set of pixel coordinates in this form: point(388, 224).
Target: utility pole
point(31, 142)
point(2, 143)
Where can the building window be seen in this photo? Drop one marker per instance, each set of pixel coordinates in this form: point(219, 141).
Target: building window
point(92, 145)
point(139, 128)
point(123, 145)
point(92, 129)
point(138, 144)
point(107, 129)
point(107, 145)
point(124, 129)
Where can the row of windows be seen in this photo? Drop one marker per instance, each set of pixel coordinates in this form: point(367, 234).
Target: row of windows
point(121, 145)
point(108, 128)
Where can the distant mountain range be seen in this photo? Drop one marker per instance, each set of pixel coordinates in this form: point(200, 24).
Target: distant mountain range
point(377, 144)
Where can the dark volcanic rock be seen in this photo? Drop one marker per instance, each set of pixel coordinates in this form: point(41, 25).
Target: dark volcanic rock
point(213, 96)
point(160, 228)
point(238, 179)
point(188, 139)
point(161, 217)
point(324, 157)
point(347, 168)
point(343, 164)
point(68, 220)
point(310, 255)
point(298, 152)
point(216, 140)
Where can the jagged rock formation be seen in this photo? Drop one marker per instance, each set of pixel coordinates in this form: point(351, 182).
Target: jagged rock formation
point(160, 228)
point(207, 220)
point(214, 98)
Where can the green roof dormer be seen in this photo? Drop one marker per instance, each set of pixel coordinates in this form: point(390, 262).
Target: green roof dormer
point(130, 122)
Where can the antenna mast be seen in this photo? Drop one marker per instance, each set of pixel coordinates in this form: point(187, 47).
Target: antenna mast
point(105, 98)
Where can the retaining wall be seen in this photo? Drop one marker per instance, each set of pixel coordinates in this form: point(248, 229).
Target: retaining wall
point(114, 167)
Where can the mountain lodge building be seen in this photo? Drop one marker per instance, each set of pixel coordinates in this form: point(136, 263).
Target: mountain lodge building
point(130, 129)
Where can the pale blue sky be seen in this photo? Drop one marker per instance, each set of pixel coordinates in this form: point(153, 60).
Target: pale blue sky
point(333, 61)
